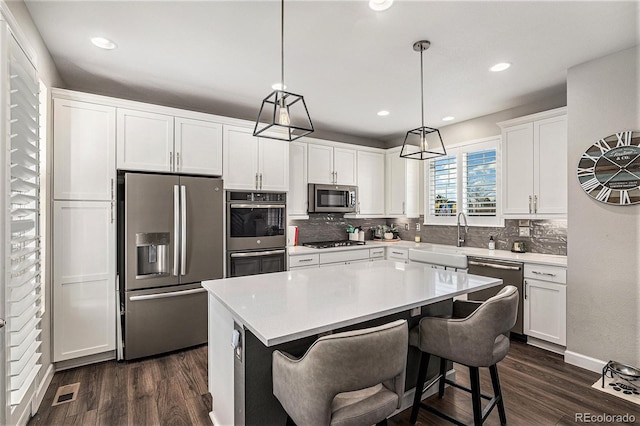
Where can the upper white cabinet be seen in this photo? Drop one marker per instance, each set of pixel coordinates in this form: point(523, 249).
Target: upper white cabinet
point(545, 303)
point(253, 163)
point(402, 185)
point(297, 204)
point(84, 148)
point(371, 179)
point(535, 165)
point(198, 147)
point(331, 165)
point(145, 141)
point(159, 143)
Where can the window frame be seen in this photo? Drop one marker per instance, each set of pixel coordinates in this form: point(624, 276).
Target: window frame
point(494, 142)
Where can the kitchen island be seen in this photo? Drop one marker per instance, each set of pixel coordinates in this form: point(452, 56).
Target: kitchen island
point(289, 310)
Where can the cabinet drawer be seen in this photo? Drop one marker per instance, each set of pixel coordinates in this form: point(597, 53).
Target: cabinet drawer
point(376, 252)
point(546, 273)
point(394, 253)
point(304, 260)
point(344, 256)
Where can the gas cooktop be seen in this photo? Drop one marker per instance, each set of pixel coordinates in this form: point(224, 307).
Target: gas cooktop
point(329, 244)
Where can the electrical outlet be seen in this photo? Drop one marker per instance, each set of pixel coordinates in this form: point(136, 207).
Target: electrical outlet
point(406, 226)
point(524, 232)
point(416, 311)
point(417, 226)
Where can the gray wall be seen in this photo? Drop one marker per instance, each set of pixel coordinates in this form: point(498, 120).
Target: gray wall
point(603, 288)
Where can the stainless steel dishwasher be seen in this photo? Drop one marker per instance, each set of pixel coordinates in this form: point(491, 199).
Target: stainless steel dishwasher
point(511, 273)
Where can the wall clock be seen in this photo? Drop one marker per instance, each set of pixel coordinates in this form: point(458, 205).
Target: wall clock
point(609, 170)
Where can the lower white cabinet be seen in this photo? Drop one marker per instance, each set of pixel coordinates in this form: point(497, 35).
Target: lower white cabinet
point(545, 303)
point(84, 279)
point(398, 254)
point(332, 258)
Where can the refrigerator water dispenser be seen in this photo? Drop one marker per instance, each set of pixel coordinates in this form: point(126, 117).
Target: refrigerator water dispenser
point(152, 254)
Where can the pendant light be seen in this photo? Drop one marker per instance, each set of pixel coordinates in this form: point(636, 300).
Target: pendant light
point(283, 115)
point(424, 142)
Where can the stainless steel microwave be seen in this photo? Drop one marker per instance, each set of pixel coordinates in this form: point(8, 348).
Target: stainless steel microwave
point(332, 198)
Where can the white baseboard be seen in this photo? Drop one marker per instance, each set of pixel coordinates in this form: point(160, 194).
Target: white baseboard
point(586, 362)
point(552, 347)
point(85, 360)
point(42, 389)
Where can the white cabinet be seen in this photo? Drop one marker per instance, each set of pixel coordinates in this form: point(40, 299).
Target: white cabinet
point(145, 141)
point(371, 179)
point(331, 165)
point(253, 163)
point(377, 253)
point(534, 150)
point(297, 199)
point(402, 185)
point(159, 143)
point(84, 150)
point(545, 303)
point(197, 147)
point(84, 289)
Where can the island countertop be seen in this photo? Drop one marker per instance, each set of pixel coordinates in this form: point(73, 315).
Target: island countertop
point(285, 306)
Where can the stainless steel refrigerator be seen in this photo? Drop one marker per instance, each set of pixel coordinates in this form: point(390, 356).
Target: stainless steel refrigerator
point(171, 239)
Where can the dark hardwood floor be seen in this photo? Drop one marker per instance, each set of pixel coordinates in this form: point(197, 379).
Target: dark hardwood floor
point(539, 389)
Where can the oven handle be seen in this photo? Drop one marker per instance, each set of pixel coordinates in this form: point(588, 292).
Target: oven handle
point(257, 206)
point(169, 294)
point(257, 253)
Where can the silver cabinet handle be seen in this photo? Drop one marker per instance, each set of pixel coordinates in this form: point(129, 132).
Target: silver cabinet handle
point(526, 284)
point(257, 253)
point(178, 168)
point(403, 209)
point(535, 204)
point(176, 228)
point(183, 228)
point(258, 206)
point(358, 207)
point(260, 180)
point(112, 212)
point(169, 294)
point(257, 181)
point(336, 177)
point(112, 190)
point(546, 274)
point(397, 252)
point(170, 160)
point(530, 209)
point(494, 265)
point(305, 260)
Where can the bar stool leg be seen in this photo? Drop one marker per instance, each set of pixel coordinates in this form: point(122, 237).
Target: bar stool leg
point(495, 380)
point(474, 376)
point(443, 372)
point(422, 375)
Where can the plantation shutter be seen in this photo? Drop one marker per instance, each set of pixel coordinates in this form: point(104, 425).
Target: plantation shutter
point(479, 186)
point(443, 186)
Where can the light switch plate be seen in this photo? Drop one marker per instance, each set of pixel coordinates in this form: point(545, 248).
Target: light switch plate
point(417, 226)
point(523, 222)
point(524, 232)
point(406, 226)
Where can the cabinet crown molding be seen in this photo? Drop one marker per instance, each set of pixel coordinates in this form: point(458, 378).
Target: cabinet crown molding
point(533, 117)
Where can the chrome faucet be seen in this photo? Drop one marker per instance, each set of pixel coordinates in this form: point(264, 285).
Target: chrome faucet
point(466, 228)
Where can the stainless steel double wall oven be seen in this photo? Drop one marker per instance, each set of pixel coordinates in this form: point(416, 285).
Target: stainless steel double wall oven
point(256, 240)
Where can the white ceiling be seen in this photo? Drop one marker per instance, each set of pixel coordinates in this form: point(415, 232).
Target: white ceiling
point(348, 61)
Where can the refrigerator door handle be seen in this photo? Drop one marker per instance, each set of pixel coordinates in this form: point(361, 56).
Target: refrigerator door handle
point(164, 295)
point(183, 230)
point(176, 228)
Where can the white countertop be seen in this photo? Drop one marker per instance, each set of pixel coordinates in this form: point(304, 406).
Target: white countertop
point(286, 306)
point(543, 259)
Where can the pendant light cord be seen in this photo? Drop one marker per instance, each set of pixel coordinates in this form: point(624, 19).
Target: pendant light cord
point(422, 86)
point(282, 44)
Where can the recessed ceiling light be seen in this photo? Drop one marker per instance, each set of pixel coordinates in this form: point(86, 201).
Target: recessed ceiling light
point(103, 43)
point(278, 86)
point(380, 5)
point(500, 67)
point(447, 118)
point(383, 113)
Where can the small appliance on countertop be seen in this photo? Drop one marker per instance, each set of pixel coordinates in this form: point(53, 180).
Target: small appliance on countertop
point(330, 244)
point(518, 247)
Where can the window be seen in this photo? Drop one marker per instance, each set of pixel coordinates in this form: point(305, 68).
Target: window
point(466, 180)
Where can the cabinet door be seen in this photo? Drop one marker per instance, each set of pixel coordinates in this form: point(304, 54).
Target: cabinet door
point(240, 154)
point(84, 151)
point(145, 141)
point(545, 311)
point(297, 203)
point(550, 175)
point(273, 165)
point(198, 147)
point(396, 190)
point(518, 164)
point(84, 288)
point(370, 183)
point(344, 166)
point(320, 164)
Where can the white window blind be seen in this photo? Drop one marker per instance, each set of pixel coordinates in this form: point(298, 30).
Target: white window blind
point(24, 270)
point(466, 180)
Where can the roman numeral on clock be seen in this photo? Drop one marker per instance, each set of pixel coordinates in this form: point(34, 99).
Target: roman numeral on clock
point(590, 184)
point(586, 156)
point(624, 138)
point(603, 145)
point(604, 194)
point(582, 172)
point(624, 197)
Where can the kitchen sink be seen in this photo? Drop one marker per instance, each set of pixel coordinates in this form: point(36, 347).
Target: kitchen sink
point(442, 256)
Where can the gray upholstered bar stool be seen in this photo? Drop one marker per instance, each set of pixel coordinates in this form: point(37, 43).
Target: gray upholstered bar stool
point(350, 378)
point(476, 336)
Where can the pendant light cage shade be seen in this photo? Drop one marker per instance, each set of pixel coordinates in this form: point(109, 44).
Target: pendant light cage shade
point(283, 116)
point(423, 143)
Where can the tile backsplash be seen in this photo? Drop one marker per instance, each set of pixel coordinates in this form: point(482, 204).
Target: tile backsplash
point(546, 236)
